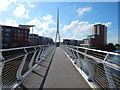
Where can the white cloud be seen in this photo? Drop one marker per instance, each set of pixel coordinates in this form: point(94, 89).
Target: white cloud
point(14, 1)
point(81, 11)
point(74, 30)
point(32, 5)
point(9, 22)
point(21, 11)
point(42, 27)
point(108, 24)
point(26, 14)
point(4, 4)
point(38, 27)
point(78, 30)
point(48, 17)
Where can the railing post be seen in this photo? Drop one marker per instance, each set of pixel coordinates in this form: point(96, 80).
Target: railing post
point(91, 71)
point(80, 62)
point(1, 67)
point(109, 77)
point(68, 51)
point(32, 59)
point(49, 49)
point(109, 74)
point(46, 51)
point(38, 55)
point(1, 63)
point(18, 75)
point(42, 55)
point(74, 56)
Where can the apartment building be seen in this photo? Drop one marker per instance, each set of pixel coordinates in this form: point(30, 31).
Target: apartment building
point(13, 36)
point(97, 39)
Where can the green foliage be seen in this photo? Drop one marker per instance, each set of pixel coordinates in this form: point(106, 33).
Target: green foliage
point(117, 47)
point(110, 47)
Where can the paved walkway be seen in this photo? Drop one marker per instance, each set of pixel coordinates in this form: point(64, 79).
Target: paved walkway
point(36, 77)
point(63, 74)
point(55, 72)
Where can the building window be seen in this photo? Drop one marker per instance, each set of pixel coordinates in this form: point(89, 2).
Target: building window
point(5, 45)
point(7, 30)
point(18, 34)
point(14, 44)
point(7, 34)
point(6, 39)
point(98, 29)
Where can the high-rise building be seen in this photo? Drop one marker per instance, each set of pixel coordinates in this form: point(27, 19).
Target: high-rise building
point(99, 37)
point(100, 31)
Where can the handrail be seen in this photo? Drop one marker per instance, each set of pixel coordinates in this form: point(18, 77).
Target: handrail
point(1, 50)
point(101, 67)
point(102, 61)
point(94, 50)
point(16, 63)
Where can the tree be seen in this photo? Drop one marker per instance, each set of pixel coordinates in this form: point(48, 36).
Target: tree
point(117, 45)
point(110, 47)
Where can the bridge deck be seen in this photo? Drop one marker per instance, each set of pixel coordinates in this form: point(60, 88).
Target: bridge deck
point(61, 74)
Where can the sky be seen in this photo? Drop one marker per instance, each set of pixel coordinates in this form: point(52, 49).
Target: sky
point(76, 18)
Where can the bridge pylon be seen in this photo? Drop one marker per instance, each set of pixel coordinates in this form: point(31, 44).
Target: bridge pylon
point(57, 32)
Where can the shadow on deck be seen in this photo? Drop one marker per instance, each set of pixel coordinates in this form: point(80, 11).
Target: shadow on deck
point(56, 71)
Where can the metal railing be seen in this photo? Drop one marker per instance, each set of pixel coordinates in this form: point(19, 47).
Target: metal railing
point(101, 67)
point(17, 63)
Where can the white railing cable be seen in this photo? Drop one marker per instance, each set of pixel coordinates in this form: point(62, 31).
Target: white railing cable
point(99, 67)
point(15, 63)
